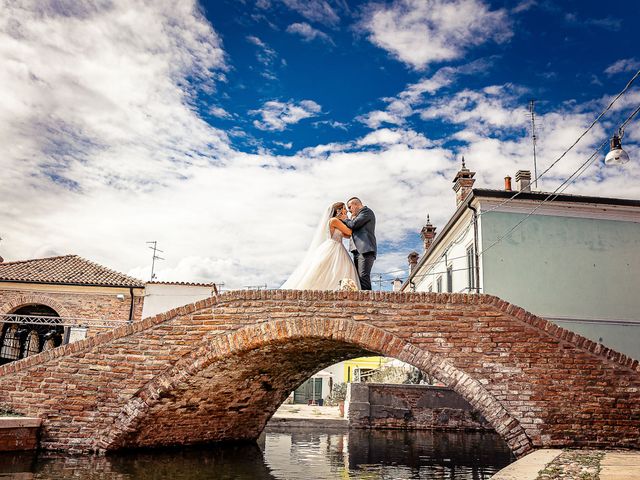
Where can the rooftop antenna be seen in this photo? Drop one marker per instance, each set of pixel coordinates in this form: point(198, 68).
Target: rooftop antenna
point(534, 138)
point(154, 258)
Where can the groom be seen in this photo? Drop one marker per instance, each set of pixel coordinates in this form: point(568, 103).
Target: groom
point(363, 239)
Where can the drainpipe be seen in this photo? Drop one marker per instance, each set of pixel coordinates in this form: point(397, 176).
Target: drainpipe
point(131, 307)
point(475, 245)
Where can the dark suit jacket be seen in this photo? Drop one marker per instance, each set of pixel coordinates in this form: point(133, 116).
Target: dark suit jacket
point(363, 238)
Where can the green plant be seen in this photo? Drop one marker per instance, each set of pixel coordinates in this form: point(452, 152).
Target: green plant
point(6, 411)
point(338, 394)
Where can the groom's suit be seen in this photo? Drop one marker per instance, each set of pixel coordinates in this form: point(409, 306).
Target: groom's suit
point(363, 244)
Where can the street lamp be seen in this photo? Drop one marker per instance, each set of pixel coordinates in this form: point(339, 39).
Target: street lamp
point(616, 155)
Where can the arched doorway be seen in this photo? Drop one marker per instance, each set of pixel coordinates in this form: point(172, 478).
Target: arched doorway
point(22, 338)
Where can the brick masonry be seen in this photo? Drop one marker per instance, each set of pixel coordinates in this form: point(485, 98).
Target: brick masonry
point(218, 369)
point(18, 433)
point(411, 407)
point(77, 302)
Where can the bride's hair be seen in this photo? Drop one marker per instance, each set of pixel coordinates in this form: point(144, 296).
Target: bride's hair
point(336, 207)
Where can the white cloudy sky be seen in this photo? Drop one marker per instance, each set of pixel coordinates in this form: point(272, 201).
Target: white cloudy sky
point(128, 121)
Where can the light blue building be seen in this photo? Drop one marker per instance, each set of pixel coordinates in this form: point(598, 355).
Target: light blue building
point(574, 260)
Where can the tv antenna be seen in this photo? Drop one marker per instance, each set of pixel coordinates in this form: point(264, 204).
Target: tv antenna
point(154, 258)
point(534, 138)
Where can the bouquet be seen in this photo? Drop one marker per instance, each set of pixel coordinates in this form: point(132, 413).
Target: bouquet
point(348, 285)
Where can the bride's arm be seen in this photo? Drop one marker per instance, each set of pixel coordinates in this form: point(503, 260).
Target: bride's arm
point(335, 223)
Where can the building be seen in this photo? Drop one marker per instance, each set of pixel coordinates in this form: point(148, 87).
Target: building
point(163, 296)
point(572, 259)
point(49, 301)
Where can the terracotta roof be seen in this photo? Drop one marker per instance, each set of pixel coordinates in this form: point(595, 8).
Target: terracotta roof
point(66, 270)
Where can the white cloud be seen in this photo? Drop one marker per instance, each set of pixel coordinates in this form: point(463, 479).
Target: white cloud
point(387, 136)
point(308, 33)
point(402, 105)
point(420, 32)
point(219, 112)
point(623, 65)
point(87, 90)
point(103, 150)
point(378, 117)
point(278, 115)
point(315, 10)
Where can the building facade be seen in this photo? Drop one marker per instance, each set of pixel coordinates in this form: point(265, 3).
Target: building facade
point(49, 301)
point(572, 259)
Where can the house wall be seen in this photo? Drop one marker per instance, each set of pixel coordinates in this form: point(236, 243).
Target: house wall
point(73, 301)
point(451, 251)
point(582, 273)
point(161, 298)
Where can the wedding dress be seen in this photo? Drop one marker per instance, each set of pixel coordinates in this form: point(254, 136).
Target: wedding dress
point(326, 263)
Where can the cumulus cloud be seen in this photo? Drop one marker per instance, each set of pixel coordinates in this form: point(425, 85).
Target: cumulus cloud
point(88, 87)
point(102, 150)
point(420, 32)
point(308, 33)
point(278, 115)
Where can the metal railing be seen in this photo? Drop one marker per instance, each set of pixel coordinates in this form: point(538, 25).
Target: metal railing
point(61, 321)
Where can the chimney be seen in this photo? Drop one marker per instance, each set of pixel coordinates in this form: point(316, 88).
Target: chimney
point(428, 233)
point(463, 183)
point(507, 183)
point(413, 260)
point(523, 180)
point(397, 285)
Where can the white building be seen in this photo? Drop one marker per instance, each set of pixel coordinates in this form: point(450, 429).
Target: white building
point(163, 296)
point(574, 260)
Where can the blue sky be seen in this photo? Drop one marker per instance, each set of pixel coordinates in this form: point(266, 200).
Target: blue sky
point(221, 129)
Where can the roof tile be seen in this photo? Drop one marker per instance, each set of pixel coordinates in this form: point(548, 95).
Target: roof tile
point(66, 270)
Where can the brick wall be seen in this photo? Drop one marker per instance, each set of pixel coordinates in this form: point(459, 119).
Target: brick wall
point(218, 369)
point(73, 301)
point(412, 407)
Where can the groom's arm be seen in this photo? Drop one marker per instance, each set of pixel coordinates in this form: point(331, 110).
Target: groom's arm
point(361, 220)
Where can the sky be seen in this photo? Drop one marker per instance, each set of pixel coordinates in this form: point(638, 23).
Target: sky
point(222, 129)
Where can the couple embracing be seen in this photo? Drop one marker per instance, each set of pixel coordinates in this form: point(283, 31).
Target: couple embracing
point(327, 262)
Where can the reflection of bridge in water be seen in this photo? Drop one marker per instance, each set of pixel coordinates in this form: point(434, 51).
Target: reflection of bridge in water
point(218, 369)
point(299, 454)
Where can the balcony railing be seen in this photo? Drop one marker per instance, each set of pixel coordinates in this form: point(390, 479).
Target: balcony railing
point(62, 321)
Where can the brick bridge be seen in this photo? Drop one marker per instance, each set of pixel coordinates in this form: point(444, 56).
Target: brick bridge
point(218, 369)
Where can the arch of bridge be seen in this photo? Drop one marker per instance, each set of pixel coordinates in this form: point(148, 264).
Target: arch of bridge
point(143, 420)
point(230, 361)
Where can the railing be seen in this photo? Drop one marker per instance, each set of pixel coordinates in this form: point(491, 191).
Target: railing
point(62, 321)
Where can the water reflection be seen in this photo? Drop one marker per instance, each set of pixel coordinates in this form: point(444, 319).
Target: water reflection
point(301, 454)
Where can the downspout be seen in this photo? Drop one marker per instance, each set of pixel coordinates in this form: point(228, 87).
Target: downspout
point(131, 307)
point(475, 246)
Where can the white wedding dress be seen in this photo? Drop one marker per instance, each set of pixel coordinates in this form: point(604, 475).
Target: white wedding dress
point(326, 263)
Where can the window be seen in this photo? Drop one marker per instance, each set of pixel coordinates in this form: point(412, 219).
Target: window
point(439, 284)
point(471, 268)
point(430, 289)
point(449, 279)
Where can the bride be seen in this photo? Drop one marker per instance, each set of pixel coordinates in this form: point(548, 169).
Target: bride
point(327, 261)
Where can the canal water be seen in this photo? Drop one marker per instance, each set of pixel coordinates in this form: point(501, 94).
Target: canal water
point(287, 455)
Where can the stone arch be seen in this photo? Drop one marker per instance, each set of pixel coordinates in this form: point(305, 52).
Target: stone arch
point(360, 335)
point(26, 299)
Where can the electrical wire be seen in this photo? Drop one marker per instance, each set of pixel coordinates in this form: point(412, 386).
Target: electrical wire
point(616, 98)
point(550, 197)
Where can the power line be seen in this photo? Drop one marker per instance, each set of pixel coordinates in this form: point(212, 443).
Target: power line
point(550, 197)
point(622, 92)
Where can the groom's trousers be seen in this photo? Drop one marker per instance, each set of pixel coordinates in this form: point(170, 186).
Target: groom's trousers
point(364, 264)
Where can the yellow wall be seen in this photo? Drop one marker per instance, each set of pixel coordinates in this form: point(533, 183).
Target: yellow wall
point(362, 362)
